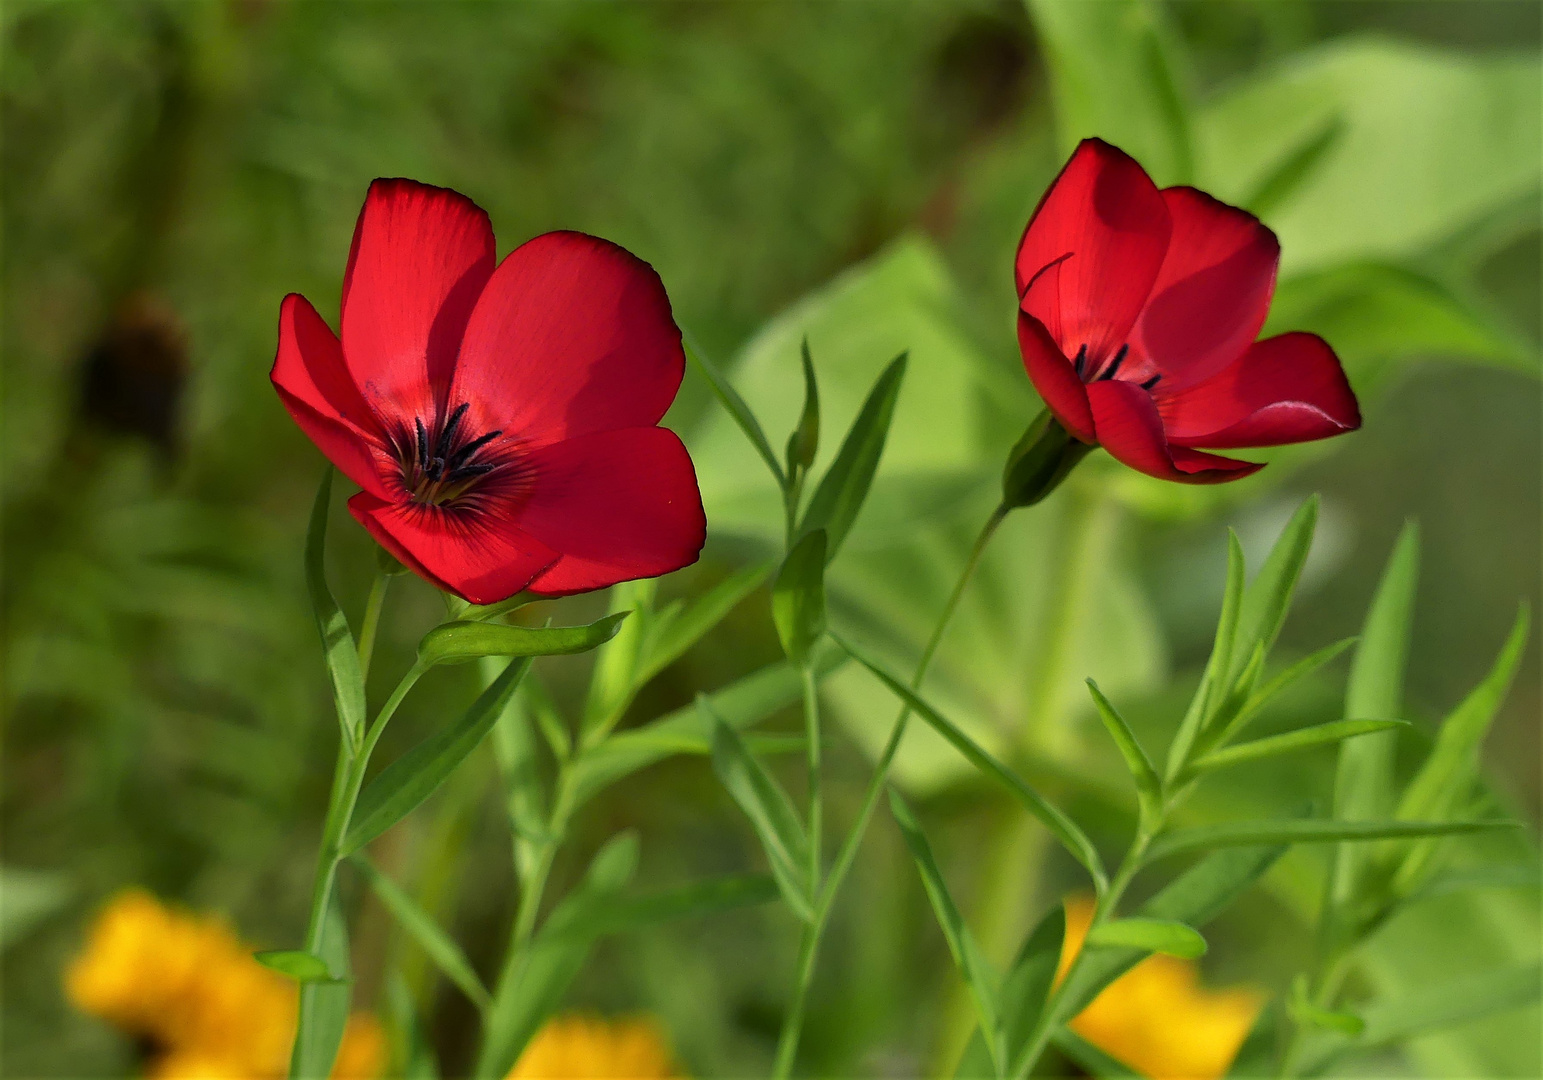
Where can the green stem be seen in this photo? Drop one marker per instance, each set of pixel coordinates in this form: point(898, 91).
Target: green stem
point(816, 802)
point(372, 609)
point(787, 1043)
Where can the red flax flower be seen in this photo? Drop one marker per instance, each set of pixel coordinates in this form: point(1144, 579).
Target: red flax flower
point(1138, 310)
point(501, 419)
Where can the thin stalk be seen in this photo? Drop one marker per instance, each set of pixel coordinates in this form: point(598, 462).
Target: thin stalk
point(816, 800)
point(372, 609)
point(787, 1043)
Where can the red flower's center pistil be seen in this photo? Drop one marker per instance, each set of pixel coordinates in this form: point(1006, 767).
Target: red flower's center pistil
point(1109, 370)
point(440, 470)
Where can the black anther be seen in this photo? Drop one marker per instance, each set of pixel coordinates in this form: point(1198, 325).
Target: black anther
point(1081, 361)
point(447, 433)
point(464, 454)
point(1114, 365)
point(1153, 381)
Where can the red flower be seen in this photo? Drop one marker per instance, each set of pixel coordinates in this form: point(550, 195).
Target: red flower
point(502, 421)
point(1138, 310)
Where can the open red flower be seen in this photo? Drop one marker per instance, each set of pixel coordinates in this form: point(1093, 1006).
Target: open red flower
point(1138, 310)
point(502, 420)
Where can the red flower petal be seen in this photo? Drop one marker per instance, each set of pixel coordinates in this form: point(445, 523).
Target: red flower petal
point(1212, 294)
point(1285, 389)
point(1129, 428)
point(572, 335)
point(482, 559)
point(618, 505)
point(1106, 214)
point(420, 257)
point(1055, 378)
point(314, 386)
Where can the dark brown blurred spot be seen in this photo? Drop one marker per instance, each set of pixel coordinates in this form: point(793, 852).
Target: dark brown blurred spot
point(982, 71)
point(132, 379)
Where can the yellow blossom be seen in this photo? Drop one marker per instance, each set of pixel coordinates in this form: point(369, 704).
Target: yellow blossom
point(189, 986)
point(589, 1048)
point(1157, 1018)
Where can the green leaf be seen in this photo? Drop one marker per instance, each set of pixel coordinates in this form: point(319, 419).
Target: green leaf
point(295, 963)
point(1363, 782)
point(1452, 766)
point(1312, 831)
point(798, 597)
point(835, 503)
point(1301, 739)
point(413, 1048)
point(546, 967)
point(1213, 684)
point(436, 944)
point(1150, 935)
point(736, 407)
point(1268, 597)
point(30, 897)
point(459, 642)
point(770, 812)
point(1095, 1062)
point(1028, 983)
point(1266, 693)
point(1148, 785)
point(514, 747)
point(1063, 828)
point(804, 443)
point(341, 654)
point(613, 679)
point(324, 1005)
point(485, 612)
point(1295, 168)
point(671, 637)
point(977, 974)
point(1258, 1054)
point(413, 777)
point(1393, 1020)
point(742, 704)
point(1194, 898)
point(1112, 75)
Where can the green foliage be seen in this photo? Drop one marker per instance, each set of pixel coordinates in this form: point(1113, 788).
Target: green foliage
point(339, 651)
point(798, 597)
point(298, 965)
point(459, 642)
point(1151, 935)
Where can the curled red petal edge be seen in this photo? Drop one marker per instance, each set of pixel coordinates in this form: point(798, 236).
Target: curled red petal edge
point(1129, 427)
point(1054, 377)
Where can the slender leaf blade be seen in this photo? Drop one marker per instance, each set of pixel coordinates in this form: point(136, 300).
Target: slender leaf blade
point(696, 900)
point(1267, 693)
point(798, 597)
point(1148, 785)
point(340, 651)
point(1212, 683)
point(406, 782)
point(804, 442)
point(671, 641)
point(324, 1005)
point(436, 944)
point(1392, 1020)
point(736, 407)
point(1268, 597)
point(1302, 739)
point(1097, 1063)
point(1167, 936)
point(296, 963)
point(1028, 983)
point(460, 642)
point(835, 503)
point(1311, 831)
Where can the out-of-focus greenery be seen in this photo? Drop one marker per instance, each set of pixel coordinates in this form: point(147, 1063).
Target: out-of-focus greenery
point(172, 169)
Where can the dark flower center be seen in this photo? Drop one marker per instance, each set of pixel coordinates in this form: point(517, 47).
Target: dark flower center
point(1109, 370)
point(438, 470)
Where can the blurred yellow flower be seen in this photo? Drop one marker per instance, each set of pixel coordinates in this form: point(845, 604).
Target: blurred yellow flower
point(589, 1048)
point(1157, 1018)
point(188, 986)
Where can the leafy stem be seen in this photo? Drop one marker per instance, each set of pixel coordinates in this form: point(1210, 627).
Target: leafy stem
point(371, 624)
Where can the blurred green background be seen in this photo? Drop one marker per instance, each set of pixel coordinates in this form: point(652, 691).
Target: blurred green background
point(856, 171)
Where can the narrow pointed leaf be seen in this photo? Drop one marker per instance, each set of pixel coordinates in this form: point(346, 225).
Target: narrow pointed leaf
point(737, 409)
point(436, 944)
point(1095, 1062)
point(341, 654)
point(1266, 693)
point(1063, 828)
point(1233, 834)
point(770, 812)
point(961, 943)
point(1028, 983)
point(296, 963)
point(804, 443)
point(1268, 598)
point(629, 913)
point(1392, 1020)
point(460, 642)
point(1165, 936)
point(835, 503)
point(670, 641)
point(798, 597)
point(324, 1005)
point(1301, 739)
point(613, 679)
point(1148, 785)
point(1213, 684)
point(406, 782)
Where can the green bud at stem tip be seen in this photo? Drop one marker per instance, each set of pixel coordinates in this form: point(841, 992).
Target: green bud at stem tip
point(1044, 457)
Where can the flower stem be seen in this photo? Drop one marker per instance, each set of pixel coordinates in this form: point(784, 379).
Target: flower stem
point(787, 1043)
point(367, 630)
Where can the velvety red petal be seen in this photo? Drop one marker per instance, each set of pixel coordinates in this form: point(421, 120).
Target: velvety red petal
point(482, 559)
point(1107, 221)
point(618, 505)
point(1212, 293)
point(1285, 389)
point(1129, 428)
point(313, 384)
point(1055, 378)
point(420, 257)
point(572, 335)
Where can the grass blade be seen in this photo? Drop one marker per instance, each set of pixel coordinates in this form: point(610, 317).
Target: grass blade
point(1213, 684)
point(1311, 831)
point(341, 654)
point(1148, 786)
point(1301, 739)
point(737, 409)
point(460, 642)
point(1166, 936)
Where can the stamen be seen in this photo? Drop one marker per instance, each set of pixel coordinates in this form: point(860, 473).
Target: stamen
point(467, 471)
point(447, 434)
point(1114, 365)
point(464, 454)
point(1081, 361)
point(422, 445)
point(1153, 381)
